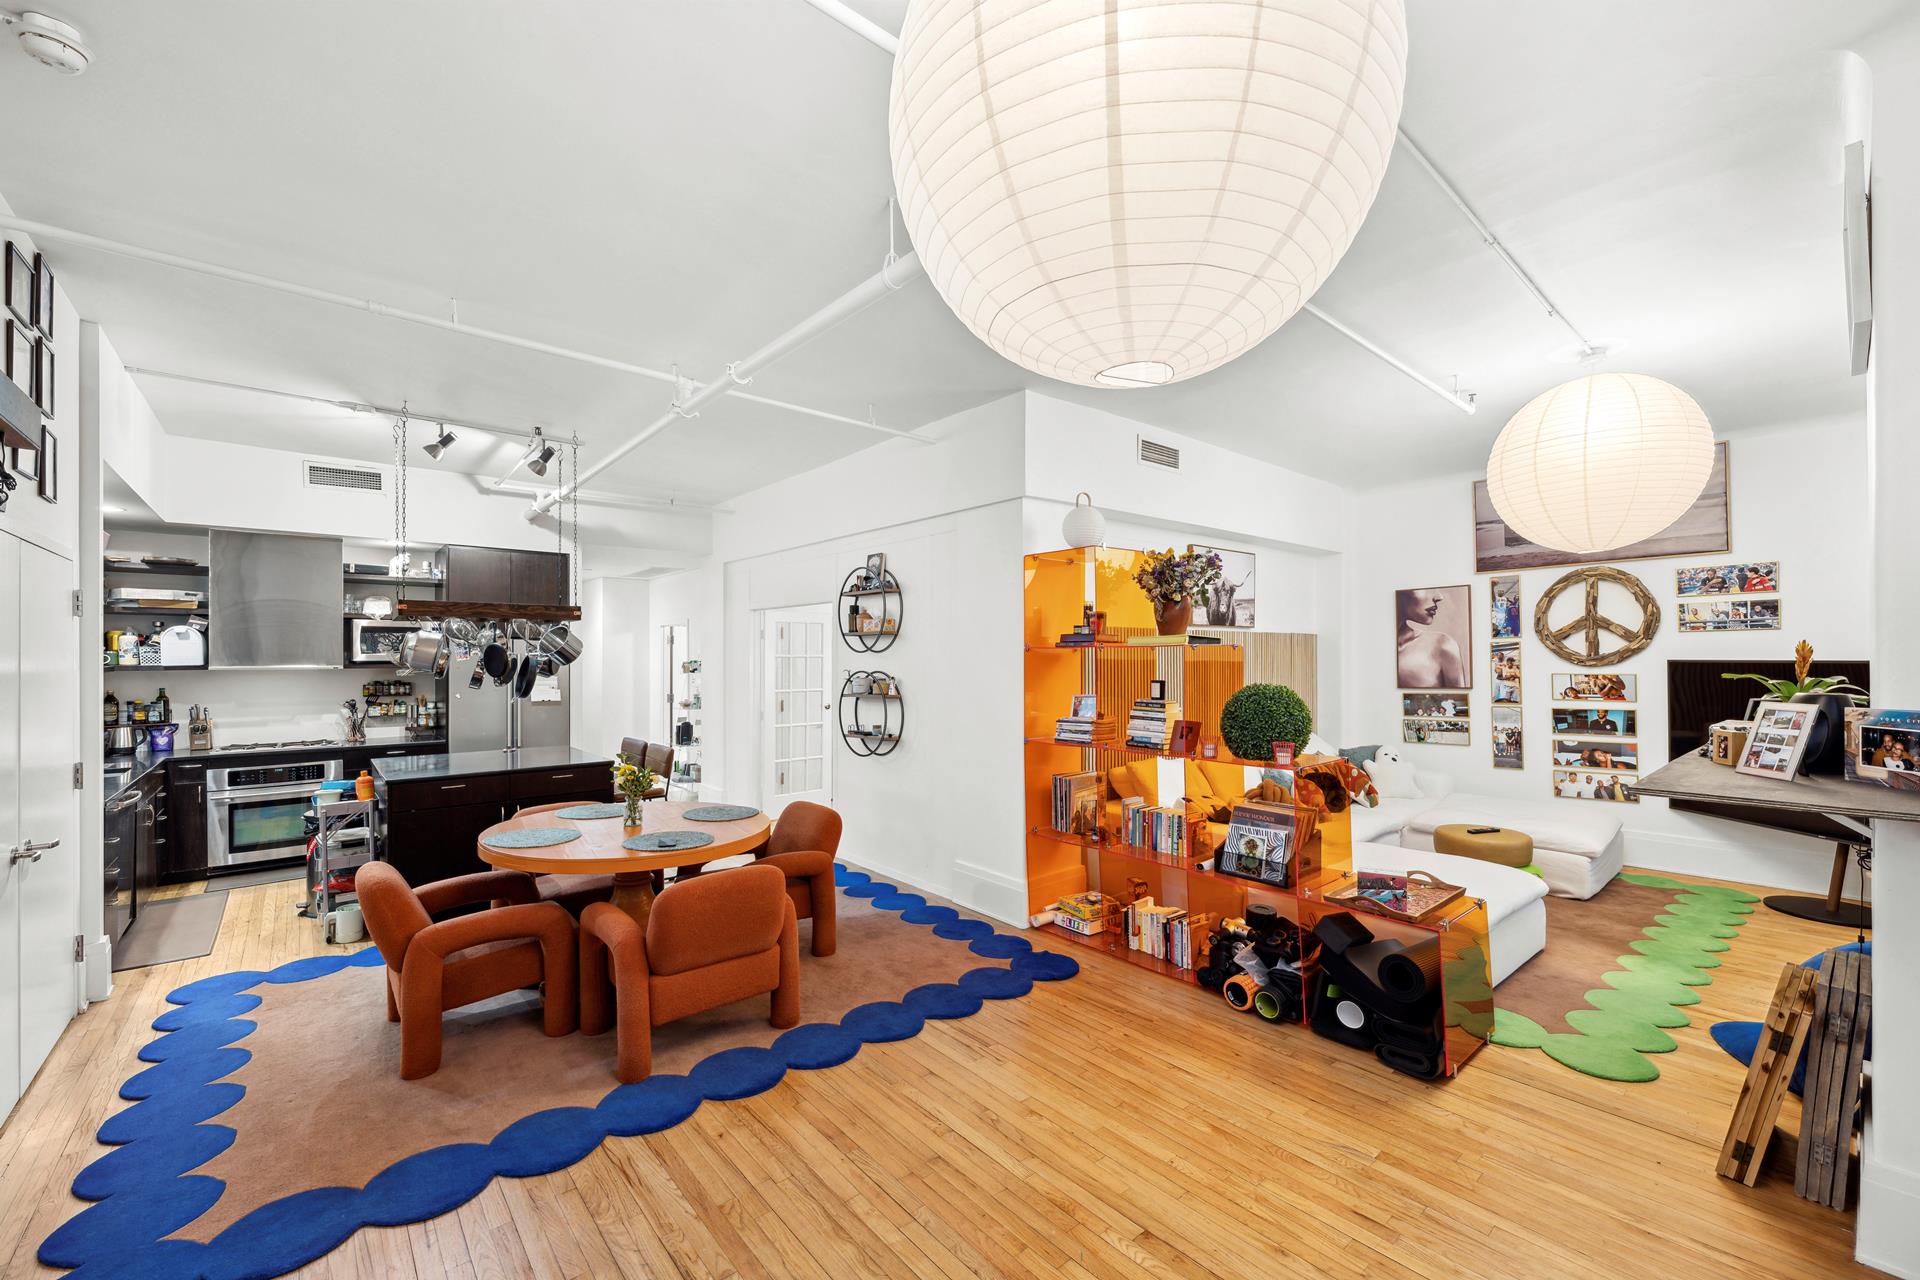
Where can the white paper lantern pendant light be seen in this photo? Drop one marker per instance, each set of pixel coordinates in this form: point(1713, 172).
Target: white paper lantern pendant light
point(1084, 525)
point(1127, 193)
point(1600, 463)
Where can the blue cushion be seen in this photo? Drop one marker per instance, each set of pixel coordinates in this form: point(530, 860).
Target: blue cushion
point(1359, 755)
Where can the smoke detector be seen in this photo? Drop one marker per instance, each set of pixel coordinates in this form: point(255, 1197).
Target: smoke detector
point(51, 42)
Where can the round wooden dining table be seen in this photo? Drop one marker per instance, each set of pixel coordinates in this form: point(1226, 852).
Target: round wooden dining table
point(598, 850)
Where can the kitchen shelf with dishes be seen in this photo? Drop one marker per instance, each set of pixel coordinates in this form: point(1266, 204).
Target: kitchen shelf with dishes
point(1124, 853)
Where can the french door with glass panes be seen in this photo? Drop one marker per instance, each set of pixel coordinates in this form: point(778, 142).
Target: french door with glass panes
point(796, 709)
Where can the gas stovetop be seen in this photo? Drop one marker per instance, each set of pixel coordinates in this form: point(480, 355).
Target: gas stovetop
point(279, 746)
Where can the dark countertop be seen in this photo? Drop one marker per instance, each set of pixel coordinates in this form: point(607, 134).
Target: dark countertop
point(470, 764)
point(143, 762)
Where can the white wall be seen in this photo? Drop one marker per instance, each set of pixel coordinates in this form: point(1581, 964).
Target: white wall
point(1889, 1223)
point(943, 810)
point(1797, 497)
point(610, 678)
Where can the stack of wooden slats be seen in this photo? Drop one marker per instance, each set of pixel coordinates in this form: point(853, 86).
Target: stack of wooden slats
point(1836, 1054)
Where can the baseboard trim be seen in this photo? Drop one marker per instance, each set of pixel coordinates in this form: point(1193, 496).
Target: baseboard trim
point(1801, 868)
point(1887, 1231)
point(991, 893)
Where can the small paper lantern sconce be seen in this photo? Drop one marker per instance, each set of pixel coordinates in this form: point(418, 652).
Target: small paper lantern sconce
point(1084, 525)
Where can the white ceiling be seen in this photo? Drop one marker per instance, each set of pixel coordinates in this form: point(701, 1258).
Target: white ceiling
point(675, 181)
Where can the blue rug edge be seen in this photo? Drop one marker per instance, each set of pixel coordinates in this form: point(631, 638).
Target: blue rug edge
point(144, 1189)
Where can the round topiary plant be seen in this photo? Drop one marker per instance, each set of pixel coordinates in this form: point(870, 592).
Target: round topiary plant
point(1259, 716)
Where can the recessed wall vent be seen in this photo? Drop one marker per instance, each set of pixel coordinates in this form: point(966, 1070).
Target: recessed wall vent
point(325, 475)
point(1155, 454)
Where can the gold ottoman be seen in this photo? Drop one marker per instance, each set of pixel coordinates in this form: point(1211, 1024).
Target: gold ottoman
point(1503, 845)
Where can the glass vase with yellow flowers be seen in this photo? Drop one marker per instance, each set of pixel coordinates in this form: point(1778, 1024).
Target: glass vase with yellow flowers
point(632, 780)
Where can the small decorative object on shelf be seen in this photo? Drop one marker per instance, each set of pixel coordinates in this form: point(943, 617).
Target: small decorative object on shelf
point(1831, 696)
point(632, 780)
point(1173, 581)
point(1084, 525)
point(872, 607)
point(872, 712)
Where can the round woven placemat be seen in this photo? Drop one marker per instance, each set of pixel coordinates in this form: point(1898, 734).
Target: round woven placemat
point(530, 838)
point(588, 812)
point(720, 813)
point(666, 841)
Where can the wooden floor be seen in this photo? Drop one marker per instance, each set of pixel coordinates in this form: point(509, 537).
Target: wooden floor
point(1118, 1124)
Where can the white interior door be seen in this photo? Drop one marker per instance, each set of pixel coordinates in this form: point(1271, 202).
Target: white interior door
point(796, 709)
point(12, 946)
point(49, 883)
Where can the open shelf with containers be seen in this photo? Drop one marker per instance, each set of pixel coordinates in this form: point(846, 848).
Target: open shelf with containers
point(1059, 589)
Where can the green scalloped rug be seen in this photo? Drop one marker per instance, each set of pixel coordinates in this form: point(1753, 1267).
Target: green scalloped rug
point(1624, 1019)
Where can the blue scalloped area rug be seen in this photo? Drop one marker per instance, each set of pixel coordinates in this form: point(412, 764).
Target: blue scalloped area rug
point(162, 1209)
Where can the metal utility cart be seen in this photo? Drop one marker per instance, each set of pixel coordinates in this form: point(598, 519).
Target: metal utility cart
point(342, 841)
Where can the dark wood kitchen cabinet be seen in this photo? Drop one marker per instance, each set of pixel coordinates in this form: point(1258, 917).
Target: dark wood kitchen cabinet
point(492, 574)
point(184, 855)
point(432, 809)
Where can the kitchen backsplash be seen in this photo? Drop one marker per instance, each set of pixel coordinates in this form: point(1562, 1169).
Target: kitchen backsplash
point(264, 706)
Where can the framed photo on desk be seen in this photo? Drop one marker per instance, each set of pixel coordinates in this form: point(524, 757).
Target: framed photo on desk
point(1778, 740)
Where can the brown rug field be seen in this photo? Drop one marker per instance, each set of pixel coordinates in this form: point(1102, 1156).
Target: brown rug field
point(325, 1105)
point(1584, 940)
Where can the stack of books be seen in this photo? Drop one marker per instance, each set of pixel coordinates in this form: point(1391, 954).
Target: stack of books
point(1086, 913)
point(1163, 642)
point(1150, 724)
point(1084, 730)
point(1156, 930)
point(1162, 830)
point(1076, 804)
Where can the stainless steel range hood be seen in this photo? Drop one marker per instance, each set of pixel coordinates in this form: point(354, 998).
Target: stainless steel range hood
point(274, 601)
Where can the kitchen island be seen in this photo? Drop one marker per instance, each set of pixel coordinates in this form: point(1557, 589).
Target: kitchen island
point(430, 810)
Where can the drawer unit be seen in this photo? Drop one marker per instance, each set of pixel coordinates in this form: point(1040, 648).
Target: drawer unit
point(580, 779)
point(444, 793)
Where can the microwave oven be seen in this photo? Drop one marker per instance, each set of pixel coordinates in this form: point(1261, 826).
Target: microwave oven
point(376, 640)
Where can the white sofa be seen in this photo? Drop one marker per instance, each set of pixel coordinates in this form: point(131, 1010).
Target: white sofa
point(1516, 910)
point(1578, 846)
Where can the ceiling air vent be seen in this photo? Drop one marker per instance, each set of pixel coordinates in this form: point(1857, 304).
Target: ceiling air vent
point(1155, 454)
point(325, 475)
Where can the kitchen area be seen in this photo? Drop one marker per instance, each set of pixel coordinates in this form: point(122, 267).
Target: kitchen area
point(284, 707)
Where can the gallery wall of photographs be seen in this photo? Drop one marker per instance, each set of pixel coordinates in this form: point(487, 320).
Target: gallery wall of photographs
point(1503, 621)
point(1433, 653)
point(29, 362)
point(1716, 598)
point(1596, 735)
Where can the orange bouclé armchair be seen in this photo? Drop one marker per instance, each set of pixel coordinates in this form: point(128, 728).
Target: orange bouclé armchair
point(803, 844)
point(433, 967)
point(723, 937)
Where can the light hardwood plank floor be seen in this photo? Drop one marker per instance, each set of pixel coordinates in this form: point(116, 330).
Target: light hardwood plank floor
point(1115, 1125)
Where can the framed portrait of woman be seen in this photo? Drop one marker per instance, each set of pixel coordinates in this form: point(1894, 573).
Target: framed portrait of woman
point(1433, 638)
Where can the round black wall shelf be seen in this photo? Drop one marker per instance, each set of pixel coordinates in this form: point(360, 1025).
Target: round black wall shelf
point(877, 599)
point(872, 713)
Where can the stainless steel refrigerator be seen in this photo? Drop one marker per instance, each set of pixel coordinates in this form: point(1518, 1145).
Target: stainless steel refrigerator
point(477, 719)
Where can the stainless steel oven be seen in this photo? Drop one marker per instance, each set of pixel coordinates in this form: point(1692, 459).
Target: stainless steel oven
point(257, 813)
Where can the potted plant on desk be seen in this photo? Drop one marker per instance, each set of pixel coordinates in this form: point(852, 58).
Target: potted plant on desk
point(1173, 581)
point(1826, 739)
point(632, 780)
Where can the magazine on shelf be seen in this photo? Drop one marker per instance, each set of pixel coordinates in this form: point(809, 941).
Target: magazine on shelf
point(1259, 844)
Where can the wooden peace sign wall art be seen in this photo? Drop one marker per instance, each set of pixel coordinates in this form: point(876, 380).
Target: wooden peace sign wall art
point(1586, 629)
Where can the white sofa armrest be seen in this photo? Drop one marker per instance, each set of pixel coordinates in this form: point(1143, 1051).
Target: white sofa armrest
point(1433, 783)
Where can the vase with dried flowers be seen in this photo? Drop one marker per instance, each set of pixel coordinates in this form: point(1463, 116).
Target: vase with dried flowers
point(1173, 581)
point(632, 780)
point(1826, 737)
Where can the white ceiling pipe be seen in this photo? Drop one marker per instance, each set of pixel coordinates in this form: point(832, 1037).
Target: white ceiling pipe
point(875, 287)
point(1464, 404)
point(600, 498)
point(47, 231)
point(1492, 241)
point(856, 21)
point(351, 406)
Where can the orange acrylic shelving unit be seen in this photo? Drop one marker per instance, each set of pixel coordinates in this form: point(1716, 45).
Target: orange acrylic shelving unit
point(1060, 586)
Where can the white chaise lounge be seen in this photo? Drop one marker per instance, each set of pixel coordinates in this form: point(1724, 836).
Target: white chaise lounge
point(1516, 910)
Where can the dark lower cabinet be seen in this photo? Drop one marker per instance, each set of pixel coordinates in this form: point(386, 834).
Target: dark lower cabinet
point(184, 856)
point(431, 829)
